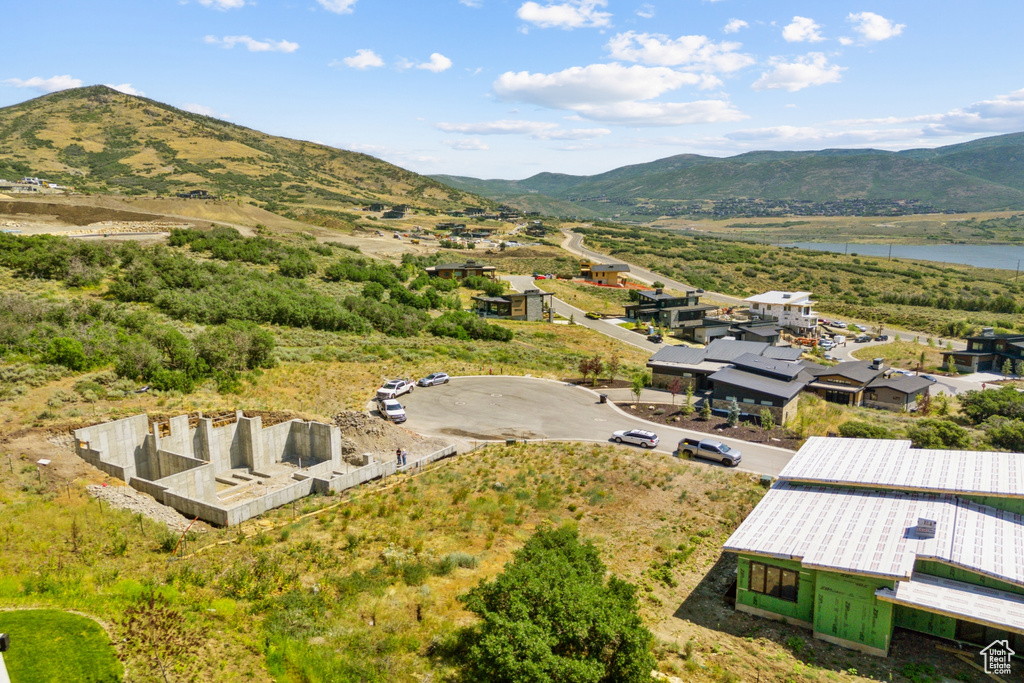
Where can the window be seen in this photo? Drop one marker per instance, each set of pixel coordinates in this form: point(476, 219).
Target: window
point(748, 400)
point(774, 581)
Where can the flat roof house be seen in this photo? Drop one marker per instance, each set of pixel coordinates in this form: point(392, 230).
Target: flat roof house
point(792, 310)
point(988, 351)
point(858, 537)
point(527, 305)
point(448, 271)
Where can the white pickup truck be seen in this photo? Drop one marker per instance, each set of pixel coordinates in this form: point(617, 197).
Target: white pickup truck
point(711, 449)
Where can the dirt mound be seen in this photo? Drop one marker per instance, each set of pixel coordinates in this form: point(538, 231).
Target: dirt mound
point(72, 214)
point(364, 433)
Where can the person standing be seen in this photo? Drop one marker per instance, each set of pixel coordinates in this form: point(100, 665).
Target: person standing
point(405, 457)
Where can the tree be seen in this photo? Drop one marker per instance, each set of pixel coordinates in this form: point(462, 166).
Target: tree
point(767, 419)
point(1018, 366)
point(978, 406)
point(942, 434)
point(1008, 434)
point(612, 366)
point(657, 284)
point(950, 365)
point(734, 413)
point(638, 382)
point(551, 617)
point(675, 388)
point(158, 639)
point(1007, 367)
point(924, 403)
point(591, 367)
point(687, 408)
point(705, 410)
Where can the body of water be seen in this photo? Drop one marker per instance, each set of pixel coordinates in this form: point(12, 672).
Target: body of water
point(1007, 257)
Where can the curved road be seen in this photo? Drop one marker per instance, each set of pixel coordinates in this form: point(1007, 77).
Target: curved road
point(499, 408)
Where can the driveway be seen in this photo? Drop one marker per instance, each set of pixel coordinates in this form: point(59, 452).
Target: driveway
point(474, 409)
point(579, 316)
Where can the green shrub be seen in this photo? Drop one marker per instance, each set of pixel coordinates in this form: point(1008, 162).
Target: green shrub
point(940, 434)
point(854, 429)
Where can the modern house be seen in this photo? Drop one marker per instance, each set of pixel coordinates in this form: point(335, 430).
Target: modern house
point(668, 310)
point(756, 383)
point(610, 274)
point(448, 271)
point(792, 310)
point(988, 352)
point(870, 384)
point(858, 537)
point(527, 305)
point(696, 366)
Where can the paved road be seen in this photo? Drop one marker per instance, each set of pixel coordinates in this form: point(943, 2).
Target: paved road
point(523, 282)
point(498, 408)
point(574, 243)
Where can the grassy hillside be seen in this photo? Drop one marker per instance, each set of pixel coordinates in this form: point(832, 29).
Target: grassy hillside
point(100, 140)
point(981, 175)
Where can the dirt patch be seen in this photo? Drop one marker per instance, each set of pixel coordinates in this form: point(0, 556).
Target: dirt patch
point(670, 416)
point(126, 498)
point(70, 214)
point(365, 433)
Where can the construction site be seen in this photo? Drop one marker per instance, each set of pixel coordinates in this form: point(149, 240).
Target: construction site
point(227, 469)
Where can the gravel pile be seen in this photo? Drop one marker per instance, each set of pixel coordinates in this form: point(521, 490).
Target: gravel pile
point(127, 498)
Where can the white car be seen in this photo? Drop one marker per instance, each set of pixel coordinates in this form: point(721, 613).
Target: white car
point(838, 323)
point(827, 344)
point(636, 436)
point(392, 410)
point(395, 388)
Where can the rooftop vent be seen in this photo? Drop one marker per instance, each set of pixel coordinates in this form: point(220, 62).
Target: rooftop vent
point(925, 528)
point(988, 332)
point(659, 291)
point(786, 296)
point(876, 363)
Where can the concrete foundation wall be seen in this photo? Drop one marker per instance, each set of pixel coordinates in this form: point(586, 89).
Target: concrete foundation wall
point(277, 440)
point(257, 506)
point(118, 444)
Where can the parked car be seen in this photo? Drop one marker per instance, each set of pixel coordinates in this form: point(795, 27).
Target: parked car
point(394, 388)
point(839, 323)
point(392, 410)
point(636, 436)
point(656, 338)
point(594, 316)
point(827, 344)
point(861, 338)
point(433, 378)
point(930, 378)
point(824, 321)
point(709, 448)
point(882, 337)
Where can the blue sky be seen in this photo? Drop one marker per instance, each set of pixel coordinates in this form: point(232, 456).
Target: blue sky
point(509, 88)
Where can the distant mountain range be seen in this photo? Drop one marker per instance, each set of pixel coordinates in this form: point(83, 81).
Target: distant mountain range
point(100, 140)
point(986, 174)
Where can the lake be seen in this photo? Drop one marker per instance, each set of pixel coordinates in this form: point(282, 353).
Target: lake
point(1004, 256)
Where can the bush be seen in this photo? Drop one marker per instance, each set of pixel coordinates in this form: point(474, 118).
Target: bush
point(981, 405)
point(940, 434)
point(551, 616)
point(1009, 434)
point(464, 325)
point(862, 430)
point(67, 352)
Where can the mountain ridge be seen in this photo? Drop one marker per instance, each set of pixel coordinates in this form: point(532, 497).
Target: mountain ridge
point(984, 174)
point(98, 139)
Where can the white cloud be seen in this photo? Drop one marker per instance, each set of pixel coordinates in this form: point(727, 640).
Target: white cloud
point(127, 89)
point(338, 6)
point(362, 59)
point(471, 3)
point(735, 25)
point(538, 130)
point(467, 145)
point(843, 40)
point(802, 30)
point(438, 63)
point(874, 27)
point(594, 84)
point(811, 69)
point(46, 85)
point(645, 11)
point(568, 15)
point(252, 44)
point(613, 93)
point(662, 113)
point(223, 4)
point(203, 110)
point(697, 52)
